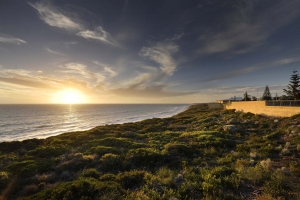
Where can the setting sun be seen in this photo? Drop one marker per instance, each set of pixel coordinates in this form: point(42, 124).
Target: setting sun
point(69, 96)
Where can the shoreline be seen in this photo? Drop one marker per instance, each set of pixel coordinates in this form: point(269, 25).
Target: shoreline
point(131, 119)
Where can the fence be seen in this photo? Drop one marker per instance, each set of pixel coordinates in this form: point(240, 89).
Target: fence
point(283, 103)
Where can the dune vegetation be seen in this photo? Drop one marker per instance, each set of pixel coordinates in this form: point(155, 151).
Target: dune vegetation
point(196, 154)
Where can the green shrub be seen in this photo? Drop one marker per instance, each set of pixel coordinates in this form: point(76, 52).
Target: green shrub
point(254, 174)
point(211, 185)
point(76, 163)
point(131, 180)
point(101, 150)
point(232, 181)
point(110, 162)
point(4, 179)
point(30, 167)
point(108, 177)
point(143, 157)
point(87, 188)
point(119, 142)
point(163, 176)
point(90, 173)
point(278, 185)
point(179, 149)
point(48, 151)
point(222, 171)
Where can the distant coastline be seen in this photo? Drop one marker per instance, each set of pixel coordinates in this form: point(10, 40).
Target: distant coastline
point(25, 121)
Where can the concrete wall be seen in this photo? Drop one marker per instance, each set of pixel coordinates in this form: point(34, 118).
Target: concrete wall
point(258, 107)
point(215, 105)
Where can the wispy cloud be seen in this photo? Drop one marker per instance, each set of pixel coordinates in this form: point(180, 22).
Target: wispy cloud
point(98, 34)
point(253, 69)
point(69, 44)
point(246, 29)
point(24, 78)
point(10, 39)
point(106, 68)
point(78, 68)
point(53, 17)
point(87, 82)
point(162, 53)
point(153, 91)
point(110, 71)
point(38, 80)
point(54, 52)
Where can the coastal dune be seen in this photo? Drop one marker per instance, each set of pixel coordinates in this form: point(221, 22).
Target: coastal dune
point(191, 155)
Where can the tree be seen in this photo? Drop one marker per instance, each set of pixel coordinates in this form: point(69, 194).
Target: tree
point(293, 88)
point(247, 97)
point(267, 94)
point(253, 98)
point(276, 97)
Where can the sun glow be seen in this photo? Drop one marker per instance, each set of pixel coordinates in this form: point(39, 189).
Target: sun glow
point(69, 96)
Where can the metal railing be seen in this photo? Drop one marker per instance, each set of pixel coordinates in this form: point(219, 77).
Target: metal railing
point(283, 103)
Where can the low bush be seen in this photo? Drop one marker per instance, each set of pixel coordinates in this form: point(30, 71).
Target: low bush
point(101, 150)
point(163, 176)
point(30, 167)
point(111, 162)
point(4, 179)
point(86, 188)
point(131, 180)
point(48, 151)
point(76, 163)
point(143, 157)
point(108, 177)
point(278, 186)
point(90, 173)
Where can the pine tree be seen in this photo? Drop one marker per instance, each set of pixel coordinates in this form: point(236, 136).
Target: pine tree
point(293, 88)
point(267, 94)
point(247, 97)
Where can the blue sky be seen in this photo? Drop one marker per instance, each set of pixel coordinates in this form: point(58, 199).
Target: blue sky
point(158, 51)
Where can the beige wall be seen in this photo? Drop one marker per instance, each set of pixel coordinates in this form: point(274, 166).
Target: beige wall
point(258, 107)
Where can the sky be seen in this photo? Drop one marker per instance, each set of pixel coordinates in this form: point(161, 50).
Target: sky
point(150, 51)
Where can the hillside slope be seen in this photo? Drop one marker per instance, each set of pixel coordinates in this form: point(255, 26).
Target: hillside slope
point(197, 154)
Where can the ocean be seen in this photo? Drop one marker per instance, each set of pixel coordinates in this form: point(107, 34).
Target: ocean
point(20, 122)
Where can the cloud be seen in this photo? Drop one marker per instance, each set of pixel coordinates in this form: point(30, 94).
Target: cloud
point(69, 44)
point(24, 82)
point(53, 17)
point(252, 69)
point(162, 53)
point(246, 29)
point(77, 68)
point(98, 34)
point(38, 80)
point(138, 82)
point(12, 40)
point(154, 91)
point(107, 68)
point(110, 71)
point(24, 78)
point(136, 87)
point(54, 52)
